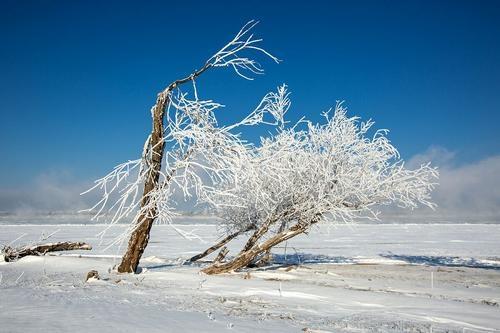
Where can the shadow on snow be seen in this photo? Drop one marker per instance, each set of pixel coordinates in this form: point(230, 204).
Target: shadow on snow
point(448, 261)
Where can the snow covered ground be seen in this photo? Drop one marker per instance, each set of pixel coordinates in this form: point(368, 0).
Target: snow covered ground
point(348, 278)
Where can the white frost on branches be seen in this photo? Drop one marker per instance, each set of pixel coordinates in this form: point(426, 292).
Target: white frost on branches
point(330, 170)
point(199, 156)
point(198, 153)
point(302, 174)
point(229, 55)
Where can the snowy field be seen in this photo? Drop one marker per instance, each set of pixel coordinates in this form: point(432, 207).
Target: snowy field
point(348, 278)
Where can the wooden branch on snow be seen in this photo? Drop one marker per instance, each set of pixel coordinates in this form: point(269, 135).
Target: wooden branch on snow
point(12, 254)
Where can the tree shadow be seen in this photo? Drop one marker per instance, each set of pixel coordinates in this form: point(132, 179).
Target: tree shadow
point(447, 261)
point(281, 260)
point(155, 267)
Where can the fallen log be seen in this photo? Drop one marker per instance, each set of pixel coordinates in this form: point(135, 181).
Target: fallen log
point(12, 254)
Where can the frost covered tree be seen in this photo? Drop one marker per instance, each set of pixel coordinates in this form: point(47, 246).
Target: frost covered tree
point(185, 148)
point(294, 179)
point(310, 174)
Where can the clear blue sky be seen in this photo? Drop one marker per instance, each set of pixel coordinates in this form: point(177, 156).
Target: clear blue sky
point(78, 78)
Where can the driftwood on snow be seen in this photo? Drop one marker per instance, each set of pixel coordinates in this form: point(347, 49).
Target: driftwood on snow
point(12, 254)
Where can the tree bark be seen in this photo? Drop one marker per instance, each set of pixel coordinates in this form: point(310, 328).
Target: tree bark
point(261, 260)
point(215, 247)
point(140, 236)
point(258, 234)
point(266, 258)
point(12, 254)
point(246, 257)
point(222, 254)
point(218, 245)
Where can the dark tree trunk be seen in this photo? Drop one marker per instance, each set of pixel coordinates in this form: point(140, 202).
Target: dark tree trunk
point(218, 245)
point(257, 235)
point(267, 257)
point(245, 258)
point(12, 254)
point(222, 254)
point(140, 236)
point(262, 260)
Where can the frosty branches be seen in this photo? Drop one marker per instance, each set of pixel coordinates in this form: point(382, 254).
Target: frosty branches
point(330, 169)
point(299, 177)
point(200, 155)
point(229, 55)
point(295, 178)
point(187, 152)
point(119, 181)
point(274, 105)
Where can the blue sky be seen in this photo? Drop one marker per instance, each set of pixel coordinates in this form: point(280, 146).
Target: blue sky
point(78, 78)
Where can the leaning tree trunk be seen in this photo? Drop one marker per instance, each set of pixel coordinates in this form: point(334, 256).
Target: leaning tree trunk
point(267, 257)
point(246, 257)
point(258, 233)
point(140, 236)
point(218, 245)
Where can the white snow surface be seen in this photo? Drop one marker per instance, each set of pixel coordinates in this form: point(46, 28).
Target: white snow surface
point(348, 278)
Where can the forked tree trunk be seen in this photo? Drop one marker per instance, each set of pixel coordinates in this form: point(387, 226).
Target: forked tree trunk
point(246, 257)
point(257, 235)
point(267, 257)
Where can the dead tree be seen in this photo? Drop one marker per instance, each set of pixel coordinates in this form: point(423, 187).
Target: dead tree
point(12, 254)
